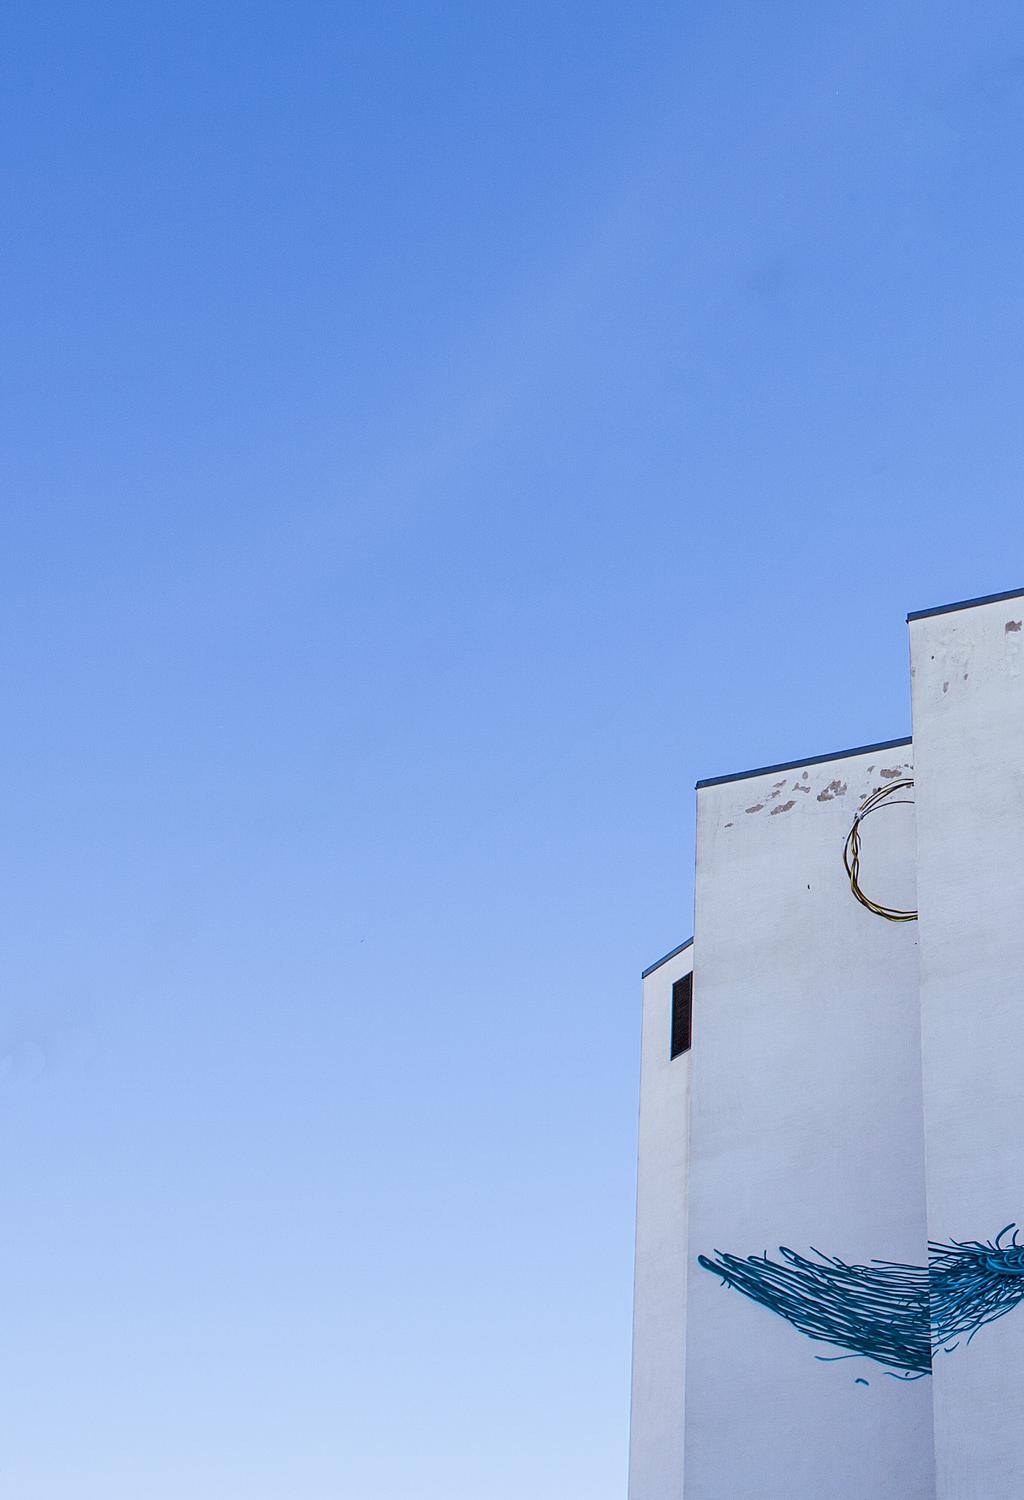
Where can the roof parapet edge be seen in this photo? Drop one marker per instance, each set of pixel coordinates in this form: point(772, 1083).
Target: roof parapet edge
point(948, 609)
point(811, 760)
point(664, 960)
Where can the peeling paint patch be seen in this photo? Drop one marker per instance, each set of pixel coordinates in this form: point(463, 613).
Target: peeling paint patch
point(945, 687)
point(798, 786)
point(806, 774)
point(833, 790)
point(728, 825)
point(756, 807)
point(783, 807)
point(891, 775)
point(1012, 625)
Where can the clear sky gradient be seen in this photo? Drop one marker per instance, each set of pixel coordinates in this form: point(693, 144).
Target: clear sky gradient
point(434, 436)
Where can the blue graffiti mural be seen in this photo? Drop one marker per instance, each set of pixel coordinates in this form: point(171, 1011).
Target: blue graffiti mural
point(898, 1315)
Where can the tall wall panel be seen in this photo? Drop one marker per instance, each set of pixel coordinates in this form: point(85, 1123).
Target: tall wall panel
point(968, 695)
point(806, 1134)
point(659, 1302)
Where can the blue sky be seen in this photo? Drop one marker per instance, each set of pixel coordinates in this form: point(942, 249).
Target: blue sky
point(434, 436)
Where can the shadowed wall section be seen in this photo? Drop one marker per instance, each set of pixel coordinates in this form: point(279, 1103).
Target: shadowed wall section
point(659, 1303)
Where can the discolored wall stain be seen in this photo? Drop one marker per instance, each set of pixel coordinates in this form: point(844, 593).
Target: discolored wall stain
point(833, 790)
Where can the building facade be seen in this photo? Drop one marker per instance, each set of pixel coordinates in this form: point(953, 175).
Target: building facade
point(827, 1263)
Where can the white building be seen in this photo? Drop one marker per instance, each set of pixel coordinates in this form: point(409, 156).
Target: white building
point(827, 1277)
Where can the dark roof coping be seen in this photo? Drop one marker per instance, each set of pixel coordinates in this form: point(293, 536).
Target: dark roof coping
point(947, 609)
point(812, 760)
point(666, 958)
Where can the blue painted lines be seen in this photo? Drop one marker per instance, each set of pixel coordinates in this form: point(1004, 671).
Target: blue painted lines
point(898, 1315)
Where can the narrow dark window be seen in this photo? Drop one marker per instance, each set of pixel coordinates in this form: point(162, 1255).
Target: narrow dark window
point(682, 1014)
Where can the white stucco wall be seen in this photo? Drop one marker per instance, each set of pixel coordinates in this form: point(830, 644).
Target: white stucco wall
point(806, 1132)
point(968, 697)
point(659, 1301)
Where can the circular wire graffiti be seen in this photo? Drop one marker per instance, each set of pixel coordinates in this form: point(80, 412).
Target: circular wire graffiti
point(883, 796)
